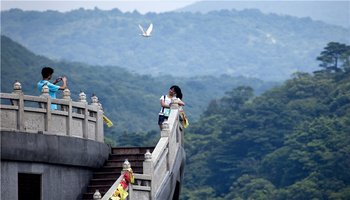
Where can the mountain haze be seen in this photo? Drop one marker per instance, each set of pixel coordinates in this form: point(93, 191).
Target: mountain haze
point(331, 12)
point(130, 100)
point(238, 43)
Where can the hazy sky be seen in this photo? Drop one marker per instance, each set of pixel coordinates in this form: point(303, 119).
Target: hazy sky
point(142, 6)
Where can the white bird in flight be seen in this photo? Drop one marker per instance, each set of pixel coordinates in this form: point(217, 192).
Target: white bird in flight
point(148, 32)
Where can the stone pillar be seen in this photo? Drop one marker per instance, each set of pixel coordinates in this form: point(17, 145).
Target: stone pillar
point(85, 112)
point(45, 93)
point(147, 164)
point(66, 94)
point(126, 166)
point(99, 119)
point(97, 195)
point(82, 97)
point(165, 132)
point(148, 169)
point(17, 87)
point(94, 100)
point(68, 108)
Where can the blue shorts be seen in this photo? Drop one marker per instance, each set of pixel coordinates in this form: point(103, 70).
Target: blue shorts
point(161, 119)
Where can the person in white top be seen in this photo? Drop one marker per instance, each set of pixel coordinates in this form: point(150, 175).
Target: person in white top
point(165, 103)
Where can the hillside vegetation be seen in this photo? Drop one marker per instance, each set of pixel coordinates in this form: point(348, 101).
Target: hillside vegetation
point(237, 43)
point(130, 100)
point(292, 142)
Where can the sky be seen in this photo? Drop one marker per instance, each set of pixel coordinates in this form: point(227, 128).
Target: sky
point(142, 6)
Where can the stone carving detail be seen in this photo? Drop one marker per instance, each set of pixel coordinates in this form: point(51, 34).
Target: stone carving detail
point(17, 87)
point(148, 155)
point(66, 94)
point(45, 90)
point(82, 97)
point(94, 100)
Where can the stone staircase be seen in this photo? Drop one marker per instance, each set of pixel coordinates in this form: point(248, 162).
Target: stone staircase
point(104, 177)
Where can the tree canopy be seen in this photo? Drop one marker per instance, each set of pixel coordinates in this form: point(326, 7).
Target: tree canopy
point(291, 142)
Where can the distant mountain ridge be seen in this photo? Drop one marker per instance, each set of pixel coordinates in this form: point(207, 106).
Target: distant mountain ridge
point(238, 43)
point(331, 12)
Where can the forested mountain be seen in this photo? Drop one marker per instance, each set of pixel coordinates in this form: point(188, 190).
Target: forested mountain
point(130, 100)
point(292, 142)
point(239, 43)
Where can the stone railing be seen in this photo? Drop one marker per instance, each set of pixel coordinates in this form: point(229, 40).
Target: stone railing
point(26, 113)
point(159, 166)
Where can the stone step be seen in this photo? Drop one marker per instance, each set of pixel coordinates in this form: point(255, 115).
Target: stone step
point(130, 150)
point(119, 163)
point(122, 157)
point(118, 169)
point(104, 177)
point(103, 181)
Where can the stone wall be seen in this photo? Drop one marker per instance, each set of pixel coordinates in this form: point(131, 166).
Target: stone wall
point(64, 163)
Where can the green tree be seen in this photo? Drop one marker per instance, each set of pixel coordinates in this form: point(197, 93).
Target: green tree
point(335, 57)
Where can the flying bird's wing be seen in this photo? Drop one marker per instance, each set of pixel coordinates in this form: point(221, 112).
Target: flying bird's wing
point(149, 30)
point(143, 32)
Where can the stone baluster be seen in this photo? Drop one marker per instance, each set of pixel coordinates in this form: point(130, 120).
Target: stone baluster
point(97, 195)
point(85, 112)
point(94, 100)
point(82, 97)
point(45, 91)
point(17, 89)
point(147, 164)
point(99, 118)
point(66, 94)
point(126, 166)
point(165, 129)
point(68, 108)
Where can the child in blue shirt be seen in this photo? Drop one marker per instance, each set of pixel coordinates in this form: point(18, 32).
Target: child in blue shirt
point(47, 72)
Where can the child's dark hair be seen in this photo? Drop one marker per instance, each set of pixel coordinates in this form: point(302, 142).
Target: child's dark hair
point(177, 90)
point(46, 72)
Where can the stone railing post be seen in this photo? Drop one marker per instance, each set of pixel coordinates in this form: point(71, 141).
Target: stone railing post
point(94, 100)
point(126, 166)
point(69, 109)
point(148, 168)
point(17, 89)
point(66, 96)
point(97, 195)
point(85, 112)
point(99, 121)
point(147, 164)
point(165, 132)
point(82, 97)
point(45, 93)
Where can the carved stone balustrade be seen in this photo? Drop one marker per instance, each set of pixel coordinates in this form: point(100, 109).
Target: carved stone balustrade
point(33, 114)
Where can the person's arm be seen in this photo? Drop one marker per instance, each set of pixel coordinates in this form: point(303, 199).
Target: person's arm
point(181, 103)
point(64, 85)
point(57, 80)
point(163, 104)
